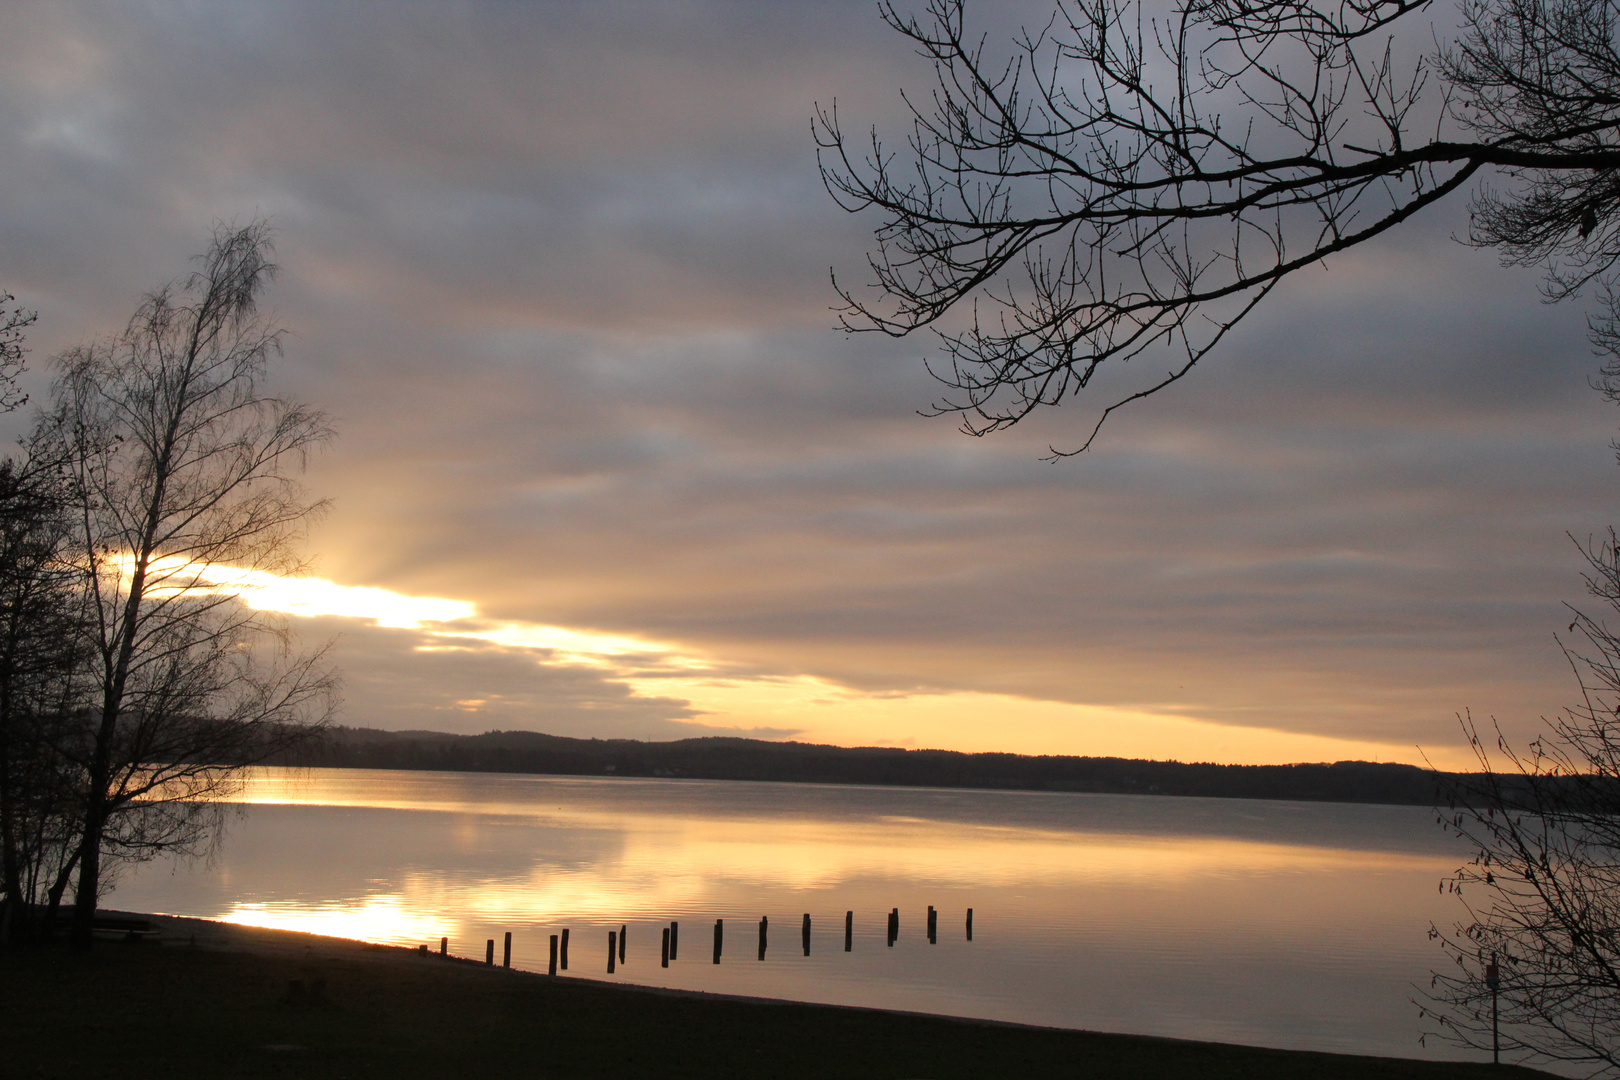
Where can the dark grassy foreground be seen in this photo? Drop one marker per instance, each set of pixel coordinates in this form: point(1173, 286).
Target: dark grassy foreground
point(220, 1009)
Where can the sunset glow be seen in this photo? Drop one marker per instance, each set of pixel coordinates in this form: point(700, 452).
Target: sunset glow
point(304, 596)
point(814, 709)
point(371, 918)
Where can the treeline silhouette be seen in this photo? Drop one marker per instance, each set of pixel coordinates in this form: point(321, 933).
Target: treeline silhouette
point(720, 758)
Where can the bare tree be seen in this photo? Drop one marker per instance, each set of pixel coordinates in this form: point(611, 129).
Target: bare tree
point(40, 690)
point(1130, 181)
point(182, 463)
point(1542, 892)
point(39, 658)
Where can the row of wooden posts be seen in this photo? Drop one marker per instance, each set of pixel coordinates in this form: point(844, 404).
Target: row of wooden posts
point(671, 942)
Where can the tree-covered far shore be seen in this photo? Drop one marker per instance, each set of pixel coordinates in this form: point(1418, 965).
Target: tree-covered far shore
point(725, 758)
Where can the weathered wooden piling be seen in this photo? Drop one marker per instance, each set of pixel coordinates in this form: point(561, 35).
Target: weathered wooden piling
point(805, 933)
point(849, 930)
point(970, 924)
point(489, 952)
point(764, 921)
point(551, 968)
point(674, 938)
point(719, 931)
point(613, 949)
point(894, 926)
point(565, 950)
point(933, 925)
point(506, 954)
point(624, 934)
point(664, 958)
point(422, 949)
point(444, 946)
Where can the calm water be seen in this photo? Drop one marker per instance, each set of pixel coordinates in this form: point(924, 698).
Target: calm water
point(1271, 923)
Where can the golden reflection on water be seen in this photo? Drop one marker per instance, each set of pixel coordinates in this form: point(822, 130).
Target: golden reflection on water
point(817, 853)
point(663, 860)
point(380, 918)
point(1279, 924)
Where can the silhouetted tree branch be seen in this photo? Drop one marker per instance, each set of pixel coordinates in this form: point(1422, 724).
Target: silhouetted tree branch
point(13, 321)
point(1542, 892)
point(1123, 184)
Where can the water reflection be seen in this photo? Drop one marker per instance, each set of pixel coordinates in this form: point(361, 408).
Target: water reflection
point(1270, 923)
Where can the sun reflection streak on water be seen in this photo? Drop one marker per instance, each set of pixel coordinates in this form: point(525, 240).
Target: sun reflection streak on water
point(381, 918)
point(1278, 924)
point(768, 850)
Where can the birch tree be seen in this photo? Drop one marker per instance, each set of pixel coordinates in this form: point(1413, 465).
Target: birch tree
point(182, 467)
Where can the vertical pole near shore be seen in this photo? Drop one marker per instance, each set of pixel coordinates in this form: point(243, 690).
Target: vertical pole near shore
point(1493, 980)
point(806, 933)
point(970, 924)
point(674, 938)
point(613, 949)
point(489, 952)
point(444, 946)
point(624, 934)
point(764, 921)
point(894, 926)
point(849, 930)
point(565, 949)
point(933, 925)
point(664, 960)
point(719, 931)
point(506, 955)
point(551, 968)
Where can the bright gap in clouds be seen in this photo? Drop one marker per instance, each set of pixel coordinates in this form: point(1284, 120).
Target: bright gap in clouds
point(816, 709)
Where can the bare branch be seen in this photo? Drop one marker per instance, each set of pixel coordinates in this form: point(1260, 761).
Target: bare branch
point(1121, 183)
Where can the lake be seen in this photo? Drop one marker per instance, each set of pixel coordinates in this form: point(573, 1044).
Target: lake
point(1300, 925)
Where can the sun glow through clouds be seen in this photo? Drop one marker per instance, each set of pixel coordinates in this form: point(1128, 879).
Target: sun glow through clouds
point(723, 697)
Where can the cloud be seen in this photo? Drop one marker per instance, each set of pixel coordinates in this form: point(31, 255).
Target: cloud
point(560, 274)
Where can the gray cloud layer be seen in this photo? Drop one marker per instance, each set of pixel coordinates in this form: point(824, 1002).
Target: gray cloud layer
point(560, 272)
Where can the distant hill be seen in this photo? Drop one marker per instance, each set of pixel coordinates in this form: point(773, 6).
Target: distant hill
point(721, 758)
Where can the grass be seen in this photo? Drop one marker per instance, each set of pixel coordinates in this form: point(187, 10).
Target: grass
point(220, 1008)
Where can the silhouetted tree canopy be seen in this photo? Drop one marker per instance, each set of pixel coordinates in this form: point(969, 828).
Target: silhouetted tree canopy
point(1129, 179)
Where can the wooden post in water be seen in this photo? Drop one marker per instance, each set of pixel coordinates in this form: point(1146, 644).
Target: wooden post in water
point(565, 949)
point(764, 921)
point(664, 960)
point(806, 933)
point(849, 930)
point(674, 938)
point(970, 924)
point(613, 949)
point(506, 955)
point(489, 952)
point(624, 934)
point(933, 925)
point(551, 968)
point(719, 930)
point(894, 926)
point(444, 946)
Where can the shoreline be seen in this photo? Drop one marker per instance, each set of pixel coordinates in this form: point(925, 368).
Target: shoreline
point(233, 1000)
point(223, 929)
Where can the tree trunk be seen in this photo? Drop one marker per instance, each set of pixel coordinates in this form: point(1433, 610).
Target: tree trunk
point(89, 885)
point(11, 889)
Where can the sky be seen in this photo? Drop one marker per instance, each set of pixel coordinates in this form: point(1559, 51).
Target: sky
point(606, 467)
